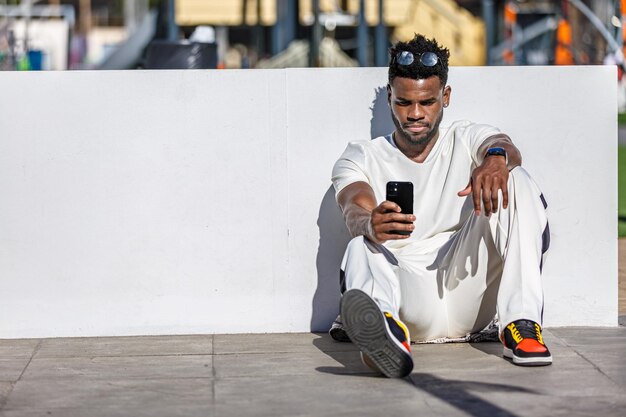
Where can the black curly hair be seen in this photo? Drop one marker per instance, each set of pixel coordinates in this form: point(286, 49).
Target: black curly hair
point(417, 46)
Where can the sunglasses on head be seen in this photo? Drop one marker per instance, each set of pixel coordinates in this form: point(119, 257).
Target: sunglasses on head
point(427, 59)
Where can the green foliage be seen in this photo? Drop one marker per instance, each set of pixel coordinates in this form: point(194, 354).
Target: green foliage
point(621, 118)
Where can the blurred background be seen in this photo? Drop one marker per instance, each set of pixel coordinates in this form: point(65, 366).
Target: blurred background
point(127, 34)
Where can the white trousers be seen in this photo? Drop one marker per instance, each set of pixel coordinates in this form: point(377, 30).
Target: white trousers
point(492, 264)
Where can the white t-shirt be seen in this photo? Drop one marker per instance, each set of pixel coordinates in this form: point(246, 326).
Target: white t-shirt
point(439, 211)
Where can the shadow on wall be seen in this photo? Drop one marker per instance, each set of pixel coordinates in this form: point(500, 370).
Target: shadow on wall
point(380, 123)
point(334, 235)
point(334, 238)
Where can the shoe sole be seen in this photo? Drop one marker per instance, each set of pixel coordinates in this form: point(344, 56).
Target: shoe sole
point(339, 334)
point(518, 360)
point(367, 328)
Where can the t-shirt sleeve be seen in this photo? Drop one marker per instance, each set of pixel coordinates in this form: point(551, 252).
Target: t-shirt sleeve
point(349, 168)
point(475, 134)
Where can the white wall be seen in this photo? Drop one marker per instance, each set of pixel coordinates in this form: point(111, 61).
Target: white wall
point(180, 202)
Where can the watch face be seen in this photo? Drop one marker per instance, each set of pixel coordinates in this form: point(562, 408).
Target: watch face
point(496, 151)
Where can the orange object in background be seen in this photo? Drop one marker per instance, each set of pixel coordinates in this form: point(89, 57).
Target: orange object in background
point(510, 13)
point(508, 57)
point(563, 53)
point(510, 18)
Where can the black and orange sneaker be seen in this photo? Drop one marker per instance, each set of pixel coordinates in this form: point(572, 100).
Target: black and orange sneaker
point(383, 338)
point(523, 344)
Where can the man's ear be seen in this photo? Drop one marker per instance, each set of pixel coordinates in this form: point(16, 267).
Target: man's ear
point(388, 94)
point(447, 91)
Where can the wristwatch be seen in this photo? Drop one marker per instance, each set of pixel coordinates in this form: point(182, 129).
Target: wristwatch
point(498, 152)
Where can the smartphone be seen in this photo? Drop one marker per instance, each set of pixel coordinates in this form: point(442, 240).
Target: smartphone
point(401, 193)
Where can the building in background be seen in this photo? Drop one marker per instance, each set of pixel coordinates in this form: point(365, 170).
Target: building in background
point(266, 27)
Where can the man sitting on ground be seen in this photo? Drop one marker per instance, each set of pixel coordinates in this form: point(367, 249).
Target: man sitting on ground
point(474, 244)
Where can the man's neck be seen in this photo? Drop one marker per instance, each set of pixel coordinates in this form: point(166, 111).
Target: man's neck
point(416, 152)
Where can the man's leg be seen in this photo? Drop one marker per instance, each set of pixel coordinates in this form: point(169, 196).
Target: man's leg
point(403, 279)
point(370, 305)
point(371, 268)
point(497, 261)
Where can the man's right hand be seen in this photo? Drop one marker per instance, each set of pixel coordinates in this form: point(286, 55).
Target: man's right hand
point(386, 219)
point(364, 217)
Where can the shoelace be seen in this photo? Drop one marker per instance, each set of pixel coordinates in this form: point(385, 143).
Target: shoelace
point(527, 329)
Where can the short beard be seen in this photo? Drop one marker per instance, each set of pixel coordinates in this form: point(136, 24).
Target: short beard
point(411, 139)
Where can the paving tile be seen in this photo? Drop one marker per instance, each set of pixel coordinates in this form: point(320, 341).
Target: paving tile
point(287, 364)
point(149, 367)
point(148, 411)
point(522, 405)
point(181, 410)
point(5, 389)
point(585, 336)
point(17, 348)
point(67, 397)
point(546, 380)
point(472, 397)
point(510, 396)
point(605, 348)
point(283, 342)
point(11, 369)
point(126, 346)
point(318, 395)
point(464, 356)
point(609, 359)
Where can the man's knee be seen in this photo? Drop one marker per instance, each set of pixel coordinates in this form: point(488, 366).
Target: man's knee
point(522, 186)
point(355, 242)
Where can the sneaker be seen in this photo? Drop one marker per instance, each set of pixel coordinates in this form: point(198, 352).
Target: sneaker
point(365, 360)
point(524, 345)
point(381, 337)
point(338, 332)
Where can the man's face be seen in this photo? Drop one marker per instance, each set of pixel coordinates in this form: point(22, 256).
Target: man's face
point(417, 108)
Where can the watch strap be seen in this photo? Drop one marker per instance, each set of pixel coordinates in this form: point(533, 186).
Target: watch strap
point(497, 151)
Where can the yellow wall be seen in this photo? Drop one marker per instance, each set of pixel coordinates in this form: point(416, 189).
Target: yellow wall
point(223, 12)
point(395, 11)
point(454, 27)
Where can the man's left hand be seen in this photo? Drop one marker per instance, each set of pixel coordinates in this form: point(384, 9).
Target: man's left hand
point(492, 175)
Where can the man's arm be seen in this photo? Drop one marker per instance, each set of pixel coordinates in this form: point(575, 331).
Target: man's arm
point(492, 174)
point(364, 217)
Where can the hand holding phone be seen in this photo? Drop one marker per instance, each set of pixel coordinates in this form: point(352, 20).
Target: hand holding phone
point(401, 193)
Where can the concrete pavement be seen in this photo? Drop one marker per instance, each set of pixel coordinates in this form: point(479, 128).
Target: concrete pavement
point(305, 374)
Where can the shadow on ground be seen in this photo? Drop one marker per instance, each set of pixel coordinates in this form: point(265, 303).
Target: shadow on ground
point(461, 394)
point(490, 348)
point(345, 354)
point(457, 393)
